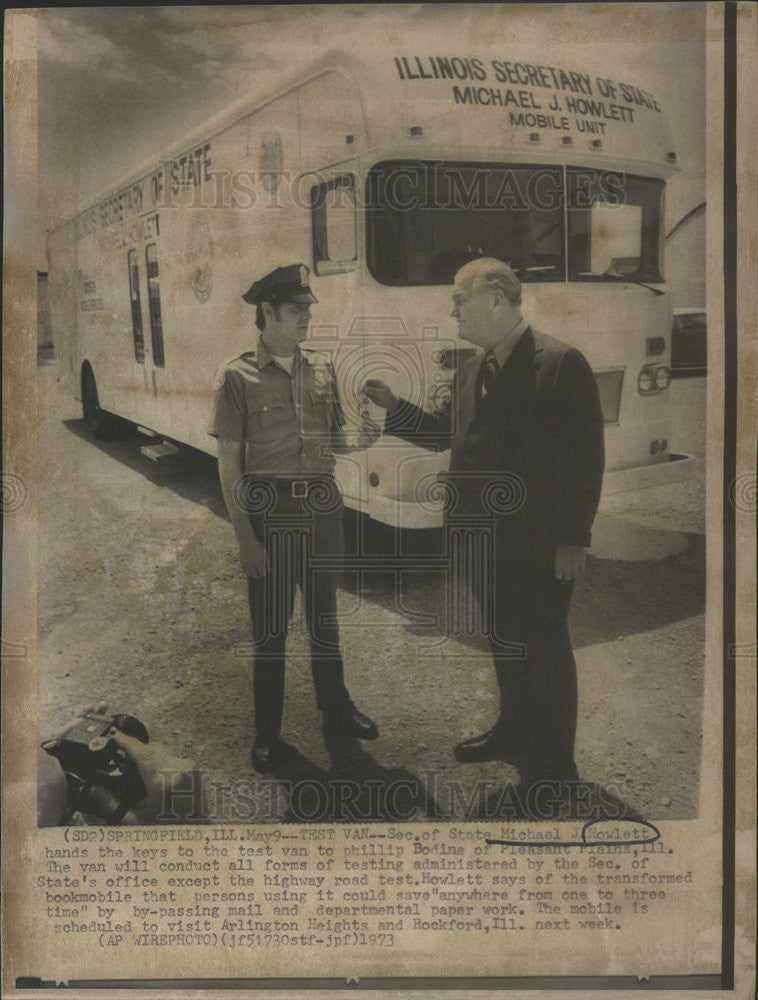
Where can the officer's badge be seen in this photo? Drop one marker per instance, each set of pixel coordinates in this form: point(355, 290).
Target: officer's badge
point(322, 377)
point(304, 276)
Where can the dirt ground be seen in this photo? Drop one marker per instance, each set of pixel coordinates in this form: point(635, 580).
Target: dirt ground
point(142, 604)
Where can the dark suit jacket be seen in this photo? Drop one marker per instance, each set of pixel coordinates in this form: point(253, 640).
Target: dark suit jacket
point(540, 429)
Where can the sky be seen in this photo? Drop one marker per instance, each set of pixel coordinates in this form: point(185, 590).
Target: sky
point(115, 84)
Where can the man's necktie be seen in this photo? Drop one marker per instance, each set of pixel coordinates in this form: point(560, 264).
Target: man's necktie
point(487, 376)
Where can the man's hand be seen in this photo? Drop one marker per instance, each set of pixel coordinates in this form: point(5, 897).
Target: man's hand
point(231, 468)
point(253, 556)
point(380, 393)
point(368, 432)
point(570, 561)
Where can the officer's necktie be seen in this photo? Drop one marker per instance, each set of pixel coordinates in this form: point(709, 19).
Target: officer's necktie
point(487, 376)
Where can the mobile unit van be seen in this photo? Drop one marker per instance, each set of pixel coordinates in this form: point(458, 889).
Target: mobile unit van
point(384, 174)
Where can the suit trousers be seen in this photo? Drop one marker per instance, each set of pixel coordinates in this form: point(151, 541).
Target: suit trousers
point(524, 611)
point(304, 541)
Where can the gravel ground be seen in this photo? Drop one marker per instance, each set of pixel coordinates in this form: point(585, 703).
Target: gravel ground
point(142, 604)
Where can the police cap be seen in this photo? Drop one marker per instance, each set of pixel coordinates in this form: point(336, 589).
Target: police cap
point(284, 284)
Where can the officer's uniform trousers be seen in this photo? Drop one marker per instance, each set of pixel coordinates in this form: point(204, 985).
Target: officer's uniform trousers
point(304, 541)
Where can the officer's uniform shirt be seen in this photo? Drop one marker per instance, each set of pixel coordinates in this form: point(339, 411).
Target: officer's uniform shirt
point(286, 421)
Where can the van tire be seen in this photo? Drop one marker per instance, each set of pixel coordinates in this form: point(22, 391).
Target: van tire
point(97, 421)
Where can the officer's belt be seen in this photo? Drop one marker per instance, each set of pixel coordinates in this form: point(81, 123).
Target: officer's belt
point(299, 488)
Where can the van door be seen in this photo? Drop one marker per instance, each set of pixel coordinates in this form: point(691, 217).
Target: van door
point(337, 328)
point(153, 405)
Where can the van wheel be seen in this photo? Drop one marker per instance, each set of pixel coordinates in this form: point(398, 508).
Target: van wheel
point(98, 421)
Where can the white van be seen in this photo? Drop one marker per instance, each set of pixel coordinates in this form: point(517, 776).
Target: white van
point(384, 174)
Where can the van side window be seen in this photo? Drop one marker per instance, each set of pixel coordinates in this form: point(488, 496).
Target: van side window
point(134, 298)
point(154, 301)
point(333, 210)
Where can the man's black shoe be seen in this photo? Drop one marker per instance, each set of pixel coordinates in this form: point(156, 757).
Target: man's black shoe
point(350, 722)
point(495, 744)
point(265, 755)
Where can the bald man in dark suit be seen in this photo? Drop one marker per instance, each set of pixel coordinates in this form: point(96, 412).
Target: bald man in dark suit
point(525, 431)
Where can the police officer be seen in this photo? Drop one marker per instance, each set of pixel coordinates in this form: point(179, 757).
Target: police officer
point(278, 420)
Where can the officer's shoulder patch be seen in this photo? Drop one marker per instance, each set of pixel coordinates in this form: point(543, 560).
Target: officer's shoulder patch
point(235, 363)
point(219, 377)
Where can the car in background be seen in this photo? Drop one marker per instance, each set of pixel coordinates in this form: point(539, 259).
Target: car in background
point(689, 348)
